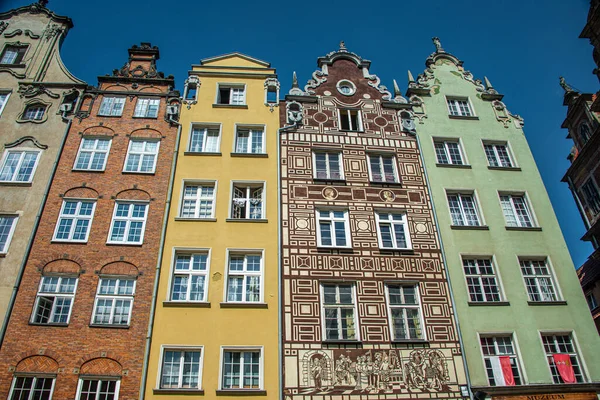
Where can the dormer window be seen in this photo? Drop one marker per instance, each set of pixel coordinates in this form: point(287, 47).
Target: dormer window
point(350, 120)
point(231, 94)
point(34, 112)
point(13, 54)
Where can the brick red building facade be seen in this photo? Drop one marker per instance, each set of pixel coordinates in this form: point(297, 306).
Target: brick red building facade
point(81, 315)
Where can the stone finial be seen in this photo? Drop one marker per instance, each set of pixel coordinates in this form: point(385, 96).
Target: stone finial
point(488, 84)
point(294, 80)
point(566, 87)
point(343, 46)
point(410, 77)
point(438, 44)
point(43, 3)
point(397, 92)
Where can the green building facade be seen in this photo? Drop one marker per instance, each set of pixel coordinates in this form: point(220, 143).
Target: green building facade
point(516, 293)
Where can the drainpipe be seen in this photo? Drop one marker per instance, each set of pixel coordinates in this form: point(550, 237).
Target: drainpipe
point(439, 235)
point(158, 264)
point(36, 224)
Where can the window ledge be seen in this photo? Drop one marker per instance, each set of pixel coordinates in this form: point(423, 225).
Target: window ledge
point(201, 153)
point(87, 170)
point(325, 181)
point(197, 392)
point(9, 183)
point(191, 304)
point(545, 388)
point(488, 303)
point(351, 130)
point(388, 250)
point(109, 326)
point(382, 183)
point(335, 248)
point(470, 227)
point(504, 168)
point(51, 324)
point(472, 117)
point(342, 341)
point(144, 117)
point(109, 116)
point(461, 166)
point(416, 341)
point(241, 392)
point(138, 173)
point(524, 228)
point(261, 220)
point(230, 106)
point(196, 219)
point(250, 155)
point(243, 305)
point(547, 303)
point(69, 241)
point(124, 244)
point(13, 65)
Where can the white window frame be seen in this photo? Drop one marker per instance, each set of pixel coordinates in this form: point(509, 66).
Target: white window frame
point(93, 152)
point(445, 143)
point(248, 187)
point(550, 275)
point(338, 306)
point(76, 218)
point(516, 355)
point(328, 170)
point(382, 173)
point(33, 384)
point(54, 295)
point(11, 231)
point(189, 273)
point(479, 276)
point(253, 130)
point(244, 274)
point(463, 214)
point(331, 219)
point(574, 354)
point(128, 219)
point(347, 112)
point(144, 153)
point(418, 307)
point(198, 198)
point(3, 103)
point(231, 87)
point(114, 297)
point(497, 159)
point(591, 300)
point(456, 106)
point(37, 111)
point(206, 127)
point(392, 222)
point(100, 381)
point(19, 165)
point(145, 107)
point(112, 100)
point(183, 349)
point(242, 349)
point(518, 223)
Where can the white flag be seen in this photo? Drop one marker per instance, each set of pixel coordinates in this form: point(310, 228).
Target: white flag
point(497, 370)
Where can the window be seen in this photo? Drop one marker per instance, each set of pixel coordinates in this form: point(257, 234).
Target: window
point(233, 95)
point(459, 106)
point(481, 280)
point(54, 300)
point(516, 212)
point(32, 388)
point(328, 165)
point(333, 228)
point(98, 389)
point(591, 195)
point(18, 166)
point(114, 301)
point(189, 277)
point(198, 201)
point(191, 89)
point(128, 223)
point(147, 108)
point(346, 87)
point(92, 154)
point(392, 230)
point(405, 312)
point(244, 278)
point(241, 369)
point(7, 228)
point(350, 120)
point(382, 168)
point(247, 201)
point(141, 156)
point(74, 220)
point(34, 112)
point(562, 358)
point(338, 312)
point(204, 139)
point(463, 209)
point(497, 155)
point(112, 106)
point(448, 152)
point(538, 280)
point(591, 301)
point(499, 351)
point(181, 369)
point(585, 133)
point(13, 54)
point(3, 100)
point(272, 95)
point(250, 140)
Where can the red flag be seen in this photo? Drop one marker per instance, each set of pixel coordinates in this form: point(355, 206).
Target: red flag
point(509, 379)
point(564, 367)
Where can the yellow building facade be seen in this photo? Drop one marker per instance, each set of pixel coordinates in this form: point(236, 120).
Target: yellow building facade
point(215, 329)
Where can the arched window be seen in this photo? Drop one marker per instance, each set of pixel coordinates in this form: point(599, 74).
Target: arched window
point(34, 112)
point(584, 132)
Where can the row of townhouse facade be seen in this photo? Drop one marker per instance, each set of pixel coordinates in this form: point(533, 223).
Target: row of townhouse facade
point(339, 241)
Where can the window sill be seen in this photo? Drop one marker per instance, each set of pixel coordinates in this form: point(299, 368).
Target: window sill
point(110, 116)
point(341, 248)
point(109, 326)
point(138, 173)
point(351, 130)
point(68, 241)
point(524, 228)
point(547, 303)
point(13, 65)
point(472, 117)
point(260, 220)
point(196, 219)
point(143, 117)
point(382, 183)
point(488, 303)
point(416, 341)
point(49, 324)
point(243, 305)
point(250, 155)
point(197, 392)
point(201, 153)
point(124, 244)
point(387, 250)
point(244, 106)
point(470, 227)
point(342, 341)
point(241, 392)
point(87, 170)
point(9, 183)
point(325, 181)
point(504, 168)
point(191, 304)
point(461, 166)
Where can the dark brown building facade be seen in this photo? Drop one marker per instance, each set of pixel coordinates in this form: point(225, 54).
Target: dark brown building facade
point(365, 302)
point(78, 325)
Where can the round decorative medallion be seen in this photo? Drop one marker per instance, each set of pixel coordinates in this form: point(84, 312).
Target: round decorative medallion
point(346, 87)
point(330, 193)
point(362, 225)
point(301, 224)
point(421, 228)
point(380, 122)
point(320, 117)
point(327, 93)
point(387, 195)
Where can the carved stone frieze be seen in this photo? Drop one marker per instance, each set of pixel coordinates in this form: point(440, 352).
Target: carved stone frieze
point(29, 91)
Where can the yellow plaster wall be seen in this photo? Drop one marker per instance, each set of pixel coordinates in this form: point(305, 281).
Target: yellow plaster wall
point(214, 326)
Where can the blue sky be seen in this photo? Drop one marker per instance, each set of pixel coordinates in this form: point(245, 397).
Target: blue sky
point(522, 46)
